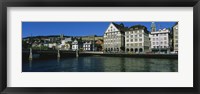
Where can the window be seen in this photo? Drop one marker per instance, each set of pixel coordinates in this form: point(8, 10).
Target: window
point(135, 39)
point(161, 42)
point(136, 44)
point(131, 44)
point(131, 40)
point(140, 35)
point(135, 35)
point(165, 38)
point(156, 43)
point(127, 40)
point(176, 45)
point(127, 36)
point(165, 42)
point(153, 39)
point(140, 39)
point(153, 43)
point(131, 36)
point(127, 45)
point(140, 44)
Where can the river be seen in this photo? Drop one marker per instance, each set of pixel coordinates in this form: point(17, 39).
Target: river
point(101, 64)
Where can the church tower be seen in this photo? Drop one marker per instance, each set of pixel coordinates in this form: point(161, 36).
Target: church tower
point(153, 27)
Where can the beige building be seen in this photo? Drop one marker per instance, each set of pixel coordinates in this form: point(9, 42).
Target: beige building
point(114, 38)
point(137, 39)
point(175, 37)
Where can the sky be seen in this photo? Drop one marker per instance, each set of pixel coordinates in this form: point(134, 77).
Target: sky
point(78, 28)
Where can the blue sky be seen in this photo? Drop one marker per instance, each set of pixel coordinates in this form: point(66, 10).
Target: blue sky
point(78, 28)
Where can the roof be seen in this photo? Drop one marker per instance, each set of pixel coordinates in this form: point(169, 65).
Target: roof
point(137, 27)
point(121, 26)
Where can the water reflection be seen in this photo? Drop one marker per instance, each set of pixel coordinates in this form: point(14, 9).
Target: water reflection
point(30, 64)
point(102, 64)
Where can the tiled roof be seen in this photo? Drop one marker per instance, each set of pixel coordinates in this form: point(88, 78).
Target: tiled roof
point(121, 26)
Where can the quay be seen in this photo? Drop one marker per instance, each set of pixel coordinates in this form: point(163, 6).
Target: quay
point(66, 54)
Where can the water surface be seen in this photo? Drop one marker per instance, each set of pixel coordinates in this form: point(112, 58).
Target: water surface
point(101, 64)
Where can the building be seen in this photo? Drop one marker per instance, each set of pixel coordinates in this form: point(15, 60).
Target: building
point(75, 45)
point(91, 38)
point(88, 46)
point(160, 40)
point(137, 39)
point(114, 38)
point(65, 44)
point(175, 37)
point(52, 45)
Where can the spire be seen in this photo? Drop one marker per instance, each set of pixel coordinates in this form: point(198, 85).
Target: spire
point(153, 27)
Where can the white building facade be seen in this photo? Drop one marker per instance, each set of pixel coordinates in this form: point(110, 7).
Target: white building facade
point(87, 46)
point(137, 40)
point(160, 41)
point(75, 45)
point(114, 38)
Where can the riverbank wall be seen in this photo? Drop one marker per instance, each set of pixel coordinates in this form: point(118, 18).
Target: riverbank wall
point(71, 54)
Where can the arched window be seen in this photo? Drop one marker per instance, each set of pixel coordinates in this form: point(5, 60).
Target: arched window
point(127, 49)
point(140, 50)
point(136, 50)
point(131, 49)
point(117, 49)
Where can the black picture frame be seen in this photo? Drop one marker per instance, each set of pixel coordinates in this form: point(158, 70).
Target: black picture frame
point(100, 3)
